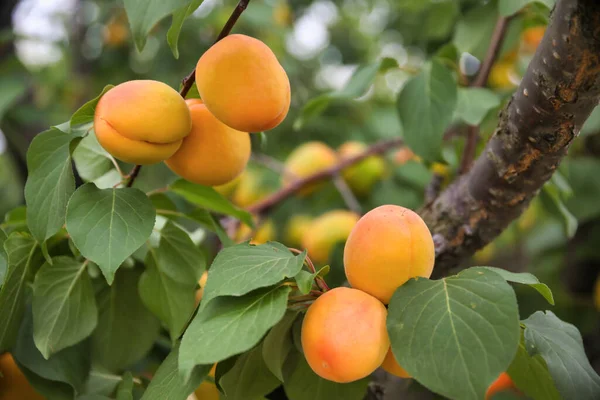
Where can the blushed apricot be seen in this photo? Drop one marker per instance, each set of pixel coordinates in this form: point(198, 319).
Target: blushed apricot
point(391, 366)
point(308, 159)
point(326, 231)
point(388, 246)
point(13, 383)
point(213, 153)
point(363, 175)
point(344, 337)
point(141, 122)
point(243, 85)
point(503, 383)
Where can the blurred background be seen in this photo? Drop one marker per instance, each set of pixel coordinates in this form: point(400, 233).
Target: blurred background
point(57, 54)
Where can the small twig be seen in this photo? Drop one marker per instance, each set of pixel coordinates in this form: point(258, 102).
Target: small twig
point(297, 185)
point(116, 164)
point(269, 162)
point(470, 148)
point(346, 193)
point(133, 175)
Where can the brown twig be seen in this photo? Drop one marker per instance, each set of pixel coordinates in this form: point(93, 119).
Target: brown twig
point(188, 81)
point(295, 186)
point(344, 190)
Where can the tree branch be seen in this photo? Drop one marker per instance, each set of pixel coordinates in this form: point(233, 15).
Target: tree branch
point(558, 92)
point(291, 189)
point(344, 190)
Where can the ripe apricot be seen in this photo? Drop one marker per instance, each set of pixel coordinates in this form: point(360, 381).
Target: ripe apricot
point(308, 159)
point(326, 231)
point(503, 75)
point(295, 229)
point(363, 175)
point(264, 233)
point(243, 85)
point(207, 391)
point(142, 122)
point(213, 153)
point(13, 384)
point(227, 189)
point(501, 384)
point(250, 189)
point(344, 337)
point(388, 246)
point(532, 38)
point(391, 366)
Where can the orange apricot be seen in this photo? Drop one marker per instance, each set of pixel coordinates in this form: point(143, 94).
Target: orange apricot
point(388, 246)
point(344, 337)
point(308, 159)
point(243, 85)
point(391, 366)
point(501, 384)
point(363, 175)
point(326, 231)
point(13, 383)
point(142, 122)
point(532, 37)
point(213, 153)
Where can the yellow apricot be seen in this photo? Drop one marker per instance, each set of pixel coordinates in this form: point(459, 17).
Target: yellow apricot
point(391, 366)
point(503, 75)
point(202, 284)
point(326, 231)
point(228, 188)
point(295, 228)
point(363, 175)
point(344, 337)
point(207, 391)
point(308, 159)
point(13, 384)
point(243, 85)
point(250, 189)
point(213, 153)
point(142, 122)
point(388, 246)
point(264, 233)
point(115, 33)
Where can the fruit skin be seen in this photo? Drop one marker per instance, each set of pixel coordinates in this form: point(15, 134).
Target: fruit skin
point(361, 176)
point(142, 122)
point(326, 231)
point(264, 233)
point(532, 38)
point(250, 189)
point(295, 228)
point(503, 75)
point(227, 189)
point(13, 384)
point(308, 159)
point(344, 337)
point(388, 246)
point(391, 366)
point(502, 383)
point(213, 153)
point(243, 84)
point(202, 284)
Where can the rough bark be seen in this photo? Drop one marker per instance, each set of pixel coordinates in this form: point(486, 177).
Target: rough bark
point(558, 92)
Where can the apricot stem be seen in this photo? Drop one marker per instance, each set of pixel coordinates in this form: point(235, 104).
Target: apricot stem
point(133, 175)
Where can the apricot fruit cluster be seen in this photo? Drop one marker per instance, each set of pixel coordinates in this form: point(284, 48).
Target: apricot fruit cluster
point(344, 335)
point(243, 88)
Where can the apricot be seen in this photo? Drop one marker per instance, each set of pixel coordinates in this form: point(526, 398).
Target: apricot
point(308, 159)
point(363, 175)
point(326, 231)
point(13, 383)
point(532, 37)
point(202, 284)
point(213, 153)
point(264, 233)
point(501, 384)
point(404, 155)
point(141, 122)
point(503, 75)
point(344, 337)
point(295, 229)
point(250, 189)
point(388, 246)
point(391, 366)
point(227, 189)
point(243, 85)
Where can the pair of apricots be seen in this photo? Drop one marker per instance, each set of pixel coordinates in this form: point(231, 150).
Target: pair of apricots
point(243, 89)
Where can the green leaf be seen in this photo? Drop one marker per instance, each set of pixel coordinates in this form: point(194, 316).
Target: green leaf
point(179, 16)
point(525, 278)
point(552, 201)
point(144, 14)
point(85, 113)
point(126, 328)
point(230, 326)
point(209, 198)
point(125, 388)
point(168, 382)
point(168, 286)
point(278, 344)
point(50, 389)
point(303, 384)
point(50, 182)
point(561, 346)
point(474, 103)
point(3, 257)
point(457, 334)
point(425, 105)
point(510, 7)
point(531, 376)
point(15, 220)
point(249, 378)
point(242, 268)
point(584, 203)
point(12, 90)
point(473, 31)
point(64, 307)
point(101, 382)
point(591, 125)
point(207, 220)
point(20, 250)
point(70, 366)
point(304, 280)
point(108, 225)
point(91, 160)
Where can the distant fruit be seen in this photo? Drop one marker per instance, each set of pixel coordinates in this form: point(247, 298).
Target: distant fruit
point(115, 33)
point(503, 75)
point(296, 227)
point(13, 383)
point(326, 231)
point(344, 336)
point(501, 384)
point(227, 189)
point(391, 366)
point(388, 246)
point(363, 175)
point(404, 155)
point(532, 37)
point(250, 189)
point(263, 234)
point(308, 159)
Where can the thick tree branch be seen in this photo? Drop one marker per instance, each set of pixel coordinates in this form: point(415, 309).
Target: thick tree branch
point(558, 92)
